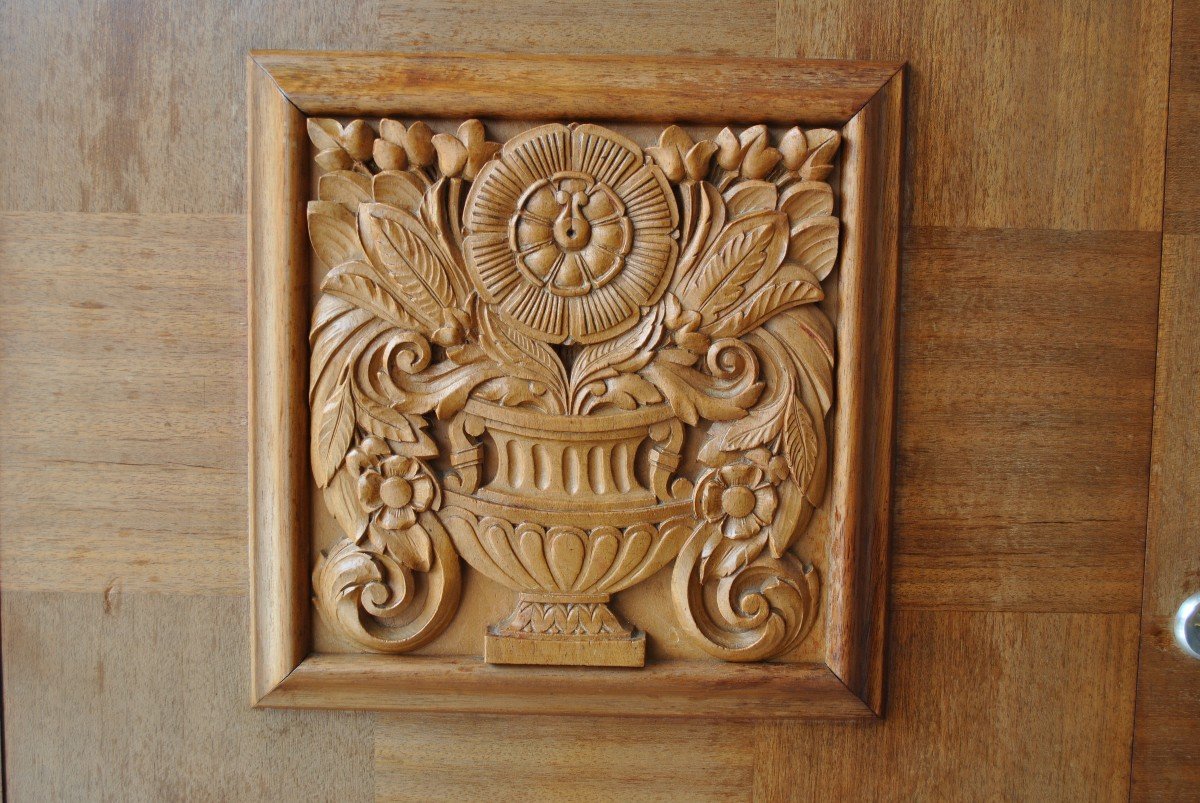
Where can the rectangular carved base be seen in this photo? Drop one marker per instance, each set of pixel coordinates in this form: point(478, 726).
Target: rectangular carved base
point(520, 648)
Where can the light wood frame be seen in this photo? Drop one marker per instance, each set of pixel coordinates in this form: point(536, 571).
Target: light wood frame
point(863, 99)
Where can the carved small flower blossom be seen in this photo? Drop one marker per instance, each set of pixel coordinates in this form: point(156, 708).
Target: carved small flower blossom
point(679, 157)
point(749, 154)
point(399, 148)
point(739, 496)
point(341, 148)
point(393, 489)
point(464, 155)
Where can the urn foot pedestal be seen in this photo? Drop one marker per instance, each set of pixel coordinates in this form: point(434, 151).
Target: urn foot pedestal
point(564, 631)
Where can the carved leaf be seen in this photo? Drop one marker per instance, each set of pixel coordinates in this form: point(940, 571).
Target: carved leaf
point(703, 218)
point(629, 352)
point(398, 243)
point(346, 187)
point(799, 444)
point(747, 197)
point(440, 211)
point(762, 425)
point(527, 358)
point(324, 132)
point(333, 233)
point(750, 246)
point(360, 283)
point(768, 300)
point(624, 392)
point(724, 557)
point(814, 245)
point(806, 199)
point(341, 497)
point(411, 546)
point(823, 144)
point(399, 188)
point(807, 336)
point(379, 419)
point(333, 426)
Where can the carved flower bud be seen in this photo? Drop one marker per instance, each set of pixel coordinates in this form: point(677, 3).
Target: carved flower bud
point(758, 158)
point(358, 139)
point(389, 155)
point(729, 150)
point(794, 148)
point(684, 324)
point(452, 332)
point(673, 143)
point(418, 144)
point(451, 155)
point(479, 151)
point(696, 161)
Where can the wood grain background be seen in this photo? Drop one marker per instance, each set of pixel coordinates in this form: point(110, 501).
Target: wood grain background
point(1034, 219)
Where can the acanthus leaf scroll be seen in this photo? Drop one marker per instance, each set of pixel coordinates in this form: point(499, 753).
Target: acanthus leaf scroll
point(514, 344)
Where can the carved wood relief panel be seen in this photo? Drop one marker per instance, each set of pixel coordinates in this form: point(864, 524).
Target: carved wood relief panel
point(576, 361)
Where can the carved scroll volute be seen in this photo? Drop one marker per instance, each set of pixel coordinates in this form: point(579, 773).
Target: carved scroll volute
point(680, 281)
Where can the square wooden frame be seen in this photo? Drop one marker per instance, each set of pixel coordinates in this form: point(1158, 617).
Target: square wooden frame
point(863, 99)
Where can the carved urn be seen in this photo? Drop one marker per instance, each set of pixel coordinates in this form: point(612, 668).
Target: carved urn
point(576, 509)
point(571, 362)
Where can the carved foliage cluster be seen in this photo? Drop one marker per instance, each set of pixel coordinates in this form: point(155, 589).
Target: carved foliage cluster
point(570, 272)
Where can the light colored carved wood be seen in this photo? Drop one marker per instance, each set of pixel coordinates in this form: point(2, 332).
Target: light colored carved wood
point(712, 90)
point(573, 298)
point(512, 333)
point(278, 489)
point(766, 689)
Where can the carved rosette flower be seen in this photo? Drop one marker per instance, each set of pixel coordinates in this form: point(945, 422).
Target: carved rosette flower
point(739, 497)
point(393, 489)
point(570, 232)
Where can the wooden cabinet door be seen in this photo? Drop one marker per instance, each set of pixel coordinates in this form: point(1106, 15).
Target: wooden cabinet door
point(1045, 480)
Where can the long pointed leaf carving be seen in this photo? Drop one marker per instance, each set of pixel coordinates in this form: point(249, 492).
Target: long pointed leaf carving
point(360, 283)
point(398, 243)
point(751, 246)
point(333, 427)
point(791, 287)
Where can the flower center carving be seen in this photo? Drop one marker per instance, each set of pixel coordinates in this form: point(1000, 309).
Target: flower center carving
point(570, 234)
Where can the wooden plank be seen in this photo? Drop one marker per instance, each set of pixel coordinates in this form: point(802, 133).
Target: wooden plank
point(525, 87)
point(649, 27)
point(278, 419)
point(459, 757)
point(1166, 748)
point(866, 380)
point(1043, 114)
point(663, 689)
point(1181, 212)
point(122, 409)
point(1025, 401)
point(143, 697)
point(139, 105)
point(982, 706)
